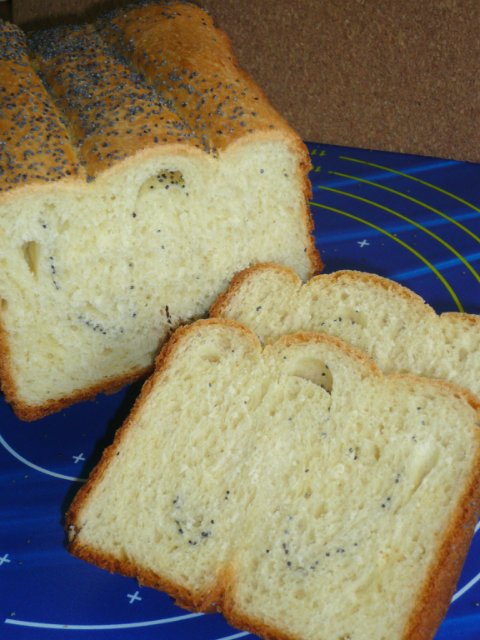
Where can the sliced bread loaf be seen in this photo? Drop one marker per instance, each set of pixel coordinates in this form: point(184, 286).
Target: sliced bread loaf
point(140, 168)
point(387, 321)
point(296, 489)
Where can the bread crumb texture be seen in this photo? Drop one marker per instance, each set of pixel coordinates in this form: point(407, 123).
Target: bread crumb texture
point(297, 489)
point(387, 321)
point(140, 168)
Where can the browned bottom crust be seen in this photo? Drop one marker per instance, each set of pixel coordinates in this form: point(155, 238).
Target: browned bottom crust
point(432, 605)
point(439, 586)
point(29, 413)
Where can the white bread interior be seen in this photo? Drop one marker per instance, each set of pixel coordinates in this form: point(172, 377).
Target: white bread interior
point(135, 181)
point(87, 272)
point(298, 490)
point(387, 321)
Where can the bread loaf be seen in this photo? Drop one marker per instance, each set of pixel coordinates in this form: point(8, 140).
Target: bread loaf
point(390, 323)
point(296, 489)
point(140, 168)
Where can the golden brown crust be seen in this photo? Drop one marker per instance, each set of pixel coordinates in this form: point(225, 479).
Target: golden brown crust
point(469, 319)
point(167, 352)
point(192, 90)
point(242, 621)
point(435, 593)
point(202, 601)
point(35, 146)
point(149, 76)
point(193, 68)
point(111, 112)
point(237, 282)
point(342, 276)
point(100, 114)
point(385, 283)
point(29, 413)
point(439, 586)
point(194, 71)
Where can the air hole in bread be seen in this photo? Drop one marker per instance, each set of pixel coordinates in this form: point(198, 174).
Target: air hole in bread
point(3, 304)
point(165, 180)
point(341, 323)
point(95, 312)
point(313, 370)
point(356, 317)
point(31, 254)
point(320, 511)
point(63, 226)
point(422, 463)
point(211, 356)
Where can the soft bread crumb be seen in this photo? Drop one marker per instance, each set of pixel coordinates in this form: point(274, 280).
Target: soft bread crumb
point(134, 188)
point(387, 321)
point(303, 509)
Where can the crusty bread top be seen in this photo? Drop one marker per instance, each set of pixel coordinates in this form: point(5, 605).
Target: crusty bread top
point(386, 320)
point(155, 75)
point(190, 63)
point(34, 142)
point(288, 276)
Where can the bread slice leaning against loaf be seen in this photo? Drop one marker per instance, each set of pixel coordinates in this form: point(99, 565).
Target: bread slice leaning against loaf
point(295, 488)
point(387, 321)
point(140, 169)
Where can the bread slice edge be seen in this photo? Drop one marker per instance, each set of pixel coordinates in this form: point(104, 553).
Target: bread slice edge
point(440, 580)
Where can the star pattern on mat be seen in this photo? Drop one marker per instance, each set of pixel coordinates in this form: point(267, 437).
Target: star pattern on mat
point(4, 559)
point(134, 597)
point(27, 463)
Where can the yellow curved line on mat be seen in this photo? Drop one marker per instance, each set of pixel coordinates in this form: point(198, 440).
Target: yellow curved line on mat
point(406, 175)
point(410, 221)
point(404, 195)
point(402, 243)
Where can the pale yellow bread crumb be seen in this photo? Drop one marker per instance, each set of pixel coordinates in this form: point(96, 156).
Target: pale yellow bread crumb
point(294, 488)
point(138, 175)
point(387, 321)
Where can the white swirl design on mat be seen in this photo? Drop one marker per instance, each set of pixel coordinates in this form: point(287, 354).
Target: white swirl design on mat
point(32, 465)
point(103, 627)
point(466, 587)
point(471, 582)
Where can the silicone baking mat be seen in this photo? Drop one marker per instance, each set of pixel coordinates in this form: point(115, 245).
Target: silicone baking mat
point(416, 220)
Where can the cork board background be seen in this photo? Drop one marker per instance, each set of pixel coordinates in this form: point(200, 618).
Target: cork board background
point(375, 74)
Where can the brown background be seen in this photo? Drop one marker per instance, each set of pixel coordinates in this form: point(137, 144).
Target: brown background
point(399, 75)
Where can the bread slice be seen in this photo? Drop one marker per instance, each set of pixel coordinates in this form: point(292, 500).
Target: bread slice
point(296, 489)
point(140, 168)
point(387, 321)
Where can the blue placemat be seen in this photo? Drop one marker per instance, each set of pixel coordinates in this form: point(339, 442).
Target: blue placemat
point(415, 220)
